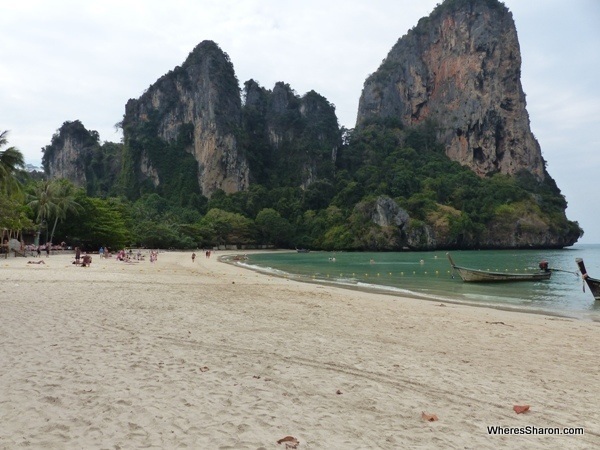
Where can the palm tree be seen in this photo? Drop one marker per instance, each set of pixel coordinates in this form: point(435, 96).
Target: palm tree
point(64, 201)
point(42, 202)
point(11, 160)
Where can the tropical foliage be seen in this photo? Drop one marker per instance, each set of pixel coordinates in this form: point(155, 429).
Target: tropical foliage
point(13, 213)
point(11, 161)
point(313, 186)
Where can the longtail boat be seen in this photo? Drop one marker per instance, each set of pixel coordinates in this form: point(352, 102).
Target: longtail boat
point(477, 275)
point(593, 283)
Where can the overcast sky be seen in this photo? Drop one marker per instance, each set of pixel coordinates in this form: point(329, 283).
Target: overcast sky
point(82, 60)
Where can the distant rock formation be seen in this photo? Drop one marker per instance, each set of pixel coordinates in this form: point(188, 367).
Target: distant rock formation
point(194, 134)
point(75, 154)
point(461, 68)
point(69, 153)
point(292, 140)
point(196, 108)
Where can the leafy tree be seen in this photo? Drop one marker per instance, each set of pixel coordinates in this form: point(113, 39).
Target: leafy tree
point(163, 235)
point(225, 227)
point(100, 222)
point(272, 228)
point(13, 214)
point(318, 195)
point(220, 200)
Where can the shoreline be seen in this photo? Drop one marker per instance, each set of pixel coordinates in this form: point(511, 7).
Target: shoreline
point(390, 290)
point(211, 355)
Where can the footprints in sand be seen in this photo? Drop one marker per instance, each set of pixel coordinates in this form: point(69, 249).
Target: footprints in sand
point(52, 400)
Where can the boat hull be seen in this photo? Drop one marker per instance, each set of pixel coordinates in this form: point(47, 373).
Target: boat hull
point(593, 283)
point(484, 276)
point(472, 275)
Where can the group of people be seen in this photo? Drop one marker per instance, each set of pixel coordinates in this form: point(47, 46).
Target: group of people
point(128, 256)
point(38, 250)
point(207, 254)
point(83, 261)
point(121, 255)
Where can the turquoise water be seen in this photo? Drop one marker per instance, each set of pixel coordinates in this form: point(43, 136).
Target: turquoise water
point(429, 275)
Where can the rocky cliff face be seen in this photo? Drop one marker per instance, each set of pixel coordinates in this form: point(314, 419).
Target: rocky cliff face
point(68, 155)
point(68, 162)
point(395, 230)
point(195, 108)
point(292, 139)
point(75, 154)
point(460, 67)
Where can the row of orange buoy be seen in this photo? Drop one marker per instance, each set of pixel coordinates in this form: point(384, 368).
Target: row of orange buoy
point(437, 272)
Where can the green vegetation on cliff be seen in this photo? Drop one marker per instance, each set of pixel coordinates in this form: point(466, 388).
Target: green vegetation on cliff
point(439, 197)
point(297, 178)
point(98, 165)
point(176, 169)
point(288, 139)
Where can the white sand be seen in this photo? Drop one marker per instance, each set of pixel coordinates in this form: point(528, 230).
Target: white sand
point(206, 355)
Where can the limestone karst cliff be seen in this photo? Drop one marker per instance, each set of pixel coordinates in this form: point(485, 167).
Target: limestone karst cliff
point(460, 67)
point(67, 155)
point(76, 154)
point(191, 123)
point(442, 155)
point(194, 109)
point(291, 139)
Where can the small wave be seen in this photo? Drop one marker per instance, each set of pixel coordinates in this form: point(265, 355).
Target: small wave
point(263, 269)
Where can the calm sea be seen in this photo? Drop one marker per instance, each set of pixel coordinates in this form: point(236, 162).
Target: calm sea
point(429, 275)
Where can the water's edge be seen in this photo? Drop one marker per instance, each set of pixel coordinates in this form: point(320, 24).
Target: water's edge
point(383, 290)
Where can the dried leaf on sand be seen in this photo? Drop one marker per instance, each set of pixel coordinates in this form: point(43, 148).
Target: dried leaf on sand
point(520, 409)
point(290, 442)
point(429, 417)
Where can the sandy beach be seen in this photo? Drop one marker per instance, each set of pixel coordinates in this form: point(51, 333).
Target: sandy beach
point(207, 355)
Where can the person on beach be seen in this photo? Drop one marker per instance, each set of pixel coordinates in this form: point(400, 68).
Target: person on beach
point(37, 262)
point(86, 261)
point(193, 257)
point(39, 251)
point(48, 246)
point(101, 252)
point(77, 255)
